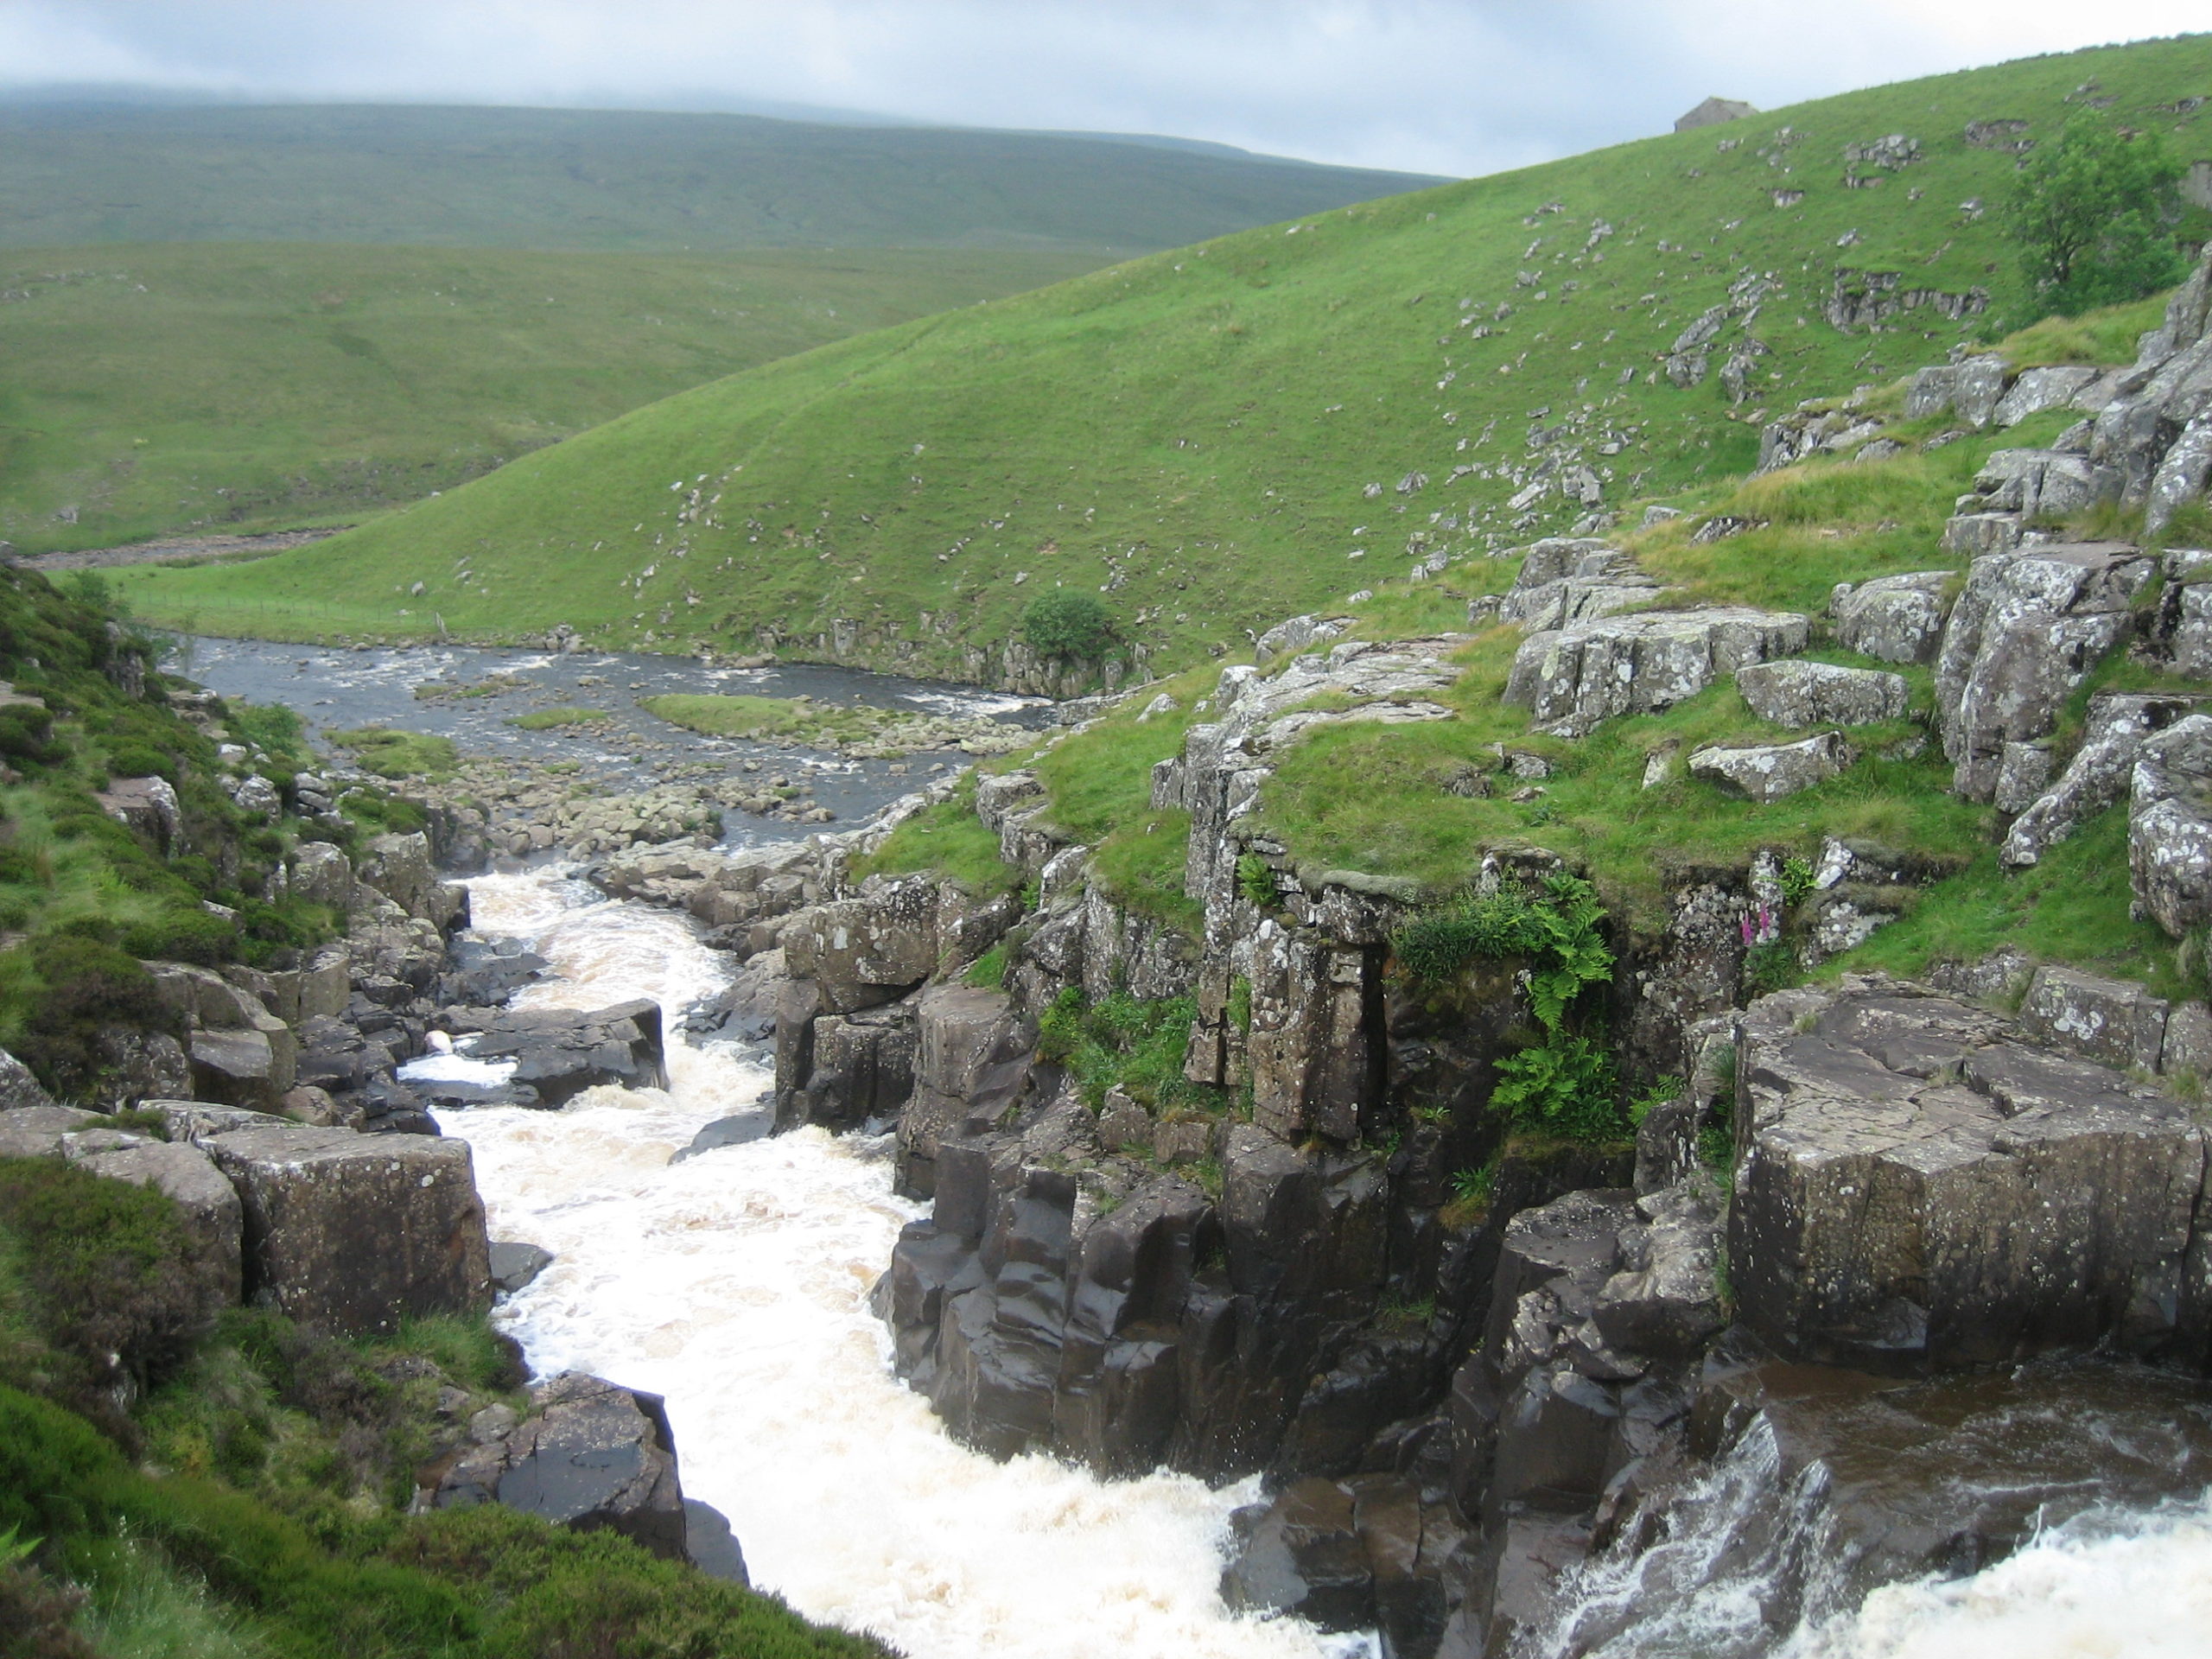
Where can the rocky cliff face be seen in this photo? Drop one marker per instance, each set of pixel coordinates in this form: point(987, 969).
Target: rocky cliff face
point(1460, 1394)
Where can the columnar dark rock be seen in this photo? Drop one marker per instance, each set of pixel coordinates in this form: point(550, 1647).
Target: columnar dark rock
point(1919, 1185)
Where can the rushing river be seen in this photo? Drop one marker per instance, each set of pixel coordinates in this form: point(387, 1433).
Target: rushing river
point(735, 1283)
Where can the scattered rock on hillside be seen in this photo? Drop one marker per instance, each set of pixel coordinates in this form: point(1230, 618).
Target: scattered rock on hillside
point(1773, 771)
point(1895, 618)
point(1797, 694)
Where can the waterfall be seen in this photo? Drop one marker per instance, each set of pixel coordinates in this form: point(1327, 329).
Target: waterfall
point(736, 1284)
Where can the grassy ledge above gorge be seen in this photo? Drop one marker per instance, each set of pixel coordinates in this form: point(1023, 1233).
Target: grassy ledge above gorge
point(1427, 802)
point(1214, 438)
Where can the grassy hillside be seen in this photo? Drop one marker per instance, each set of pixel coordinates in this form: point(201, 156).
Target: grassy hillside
point(158, 387)
point(1217, 437)
point(621, 180)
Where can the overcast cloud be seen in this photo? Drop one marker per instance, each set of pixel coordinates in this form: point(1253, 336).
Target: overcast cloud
point(1426, 86)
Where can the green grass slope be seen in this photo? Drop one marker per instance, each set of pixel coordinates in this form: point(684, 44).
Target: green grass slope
point(1218, 437)
point(621, 180)
point(158, 387)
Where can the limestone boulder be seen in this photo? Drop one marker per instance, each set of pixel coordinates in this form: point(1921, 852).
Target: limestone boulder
point(867, 951)
point(1299, 633)
point(1571, 679)
point(18, 1088)
point(355, 1232)
point(1773, 771)
point(2037, 389)
point(149, 808)
point(1575, 579)
point(322, 875)
point(2044, 486)
point(1921, 1185)
point(1798, 694)
point(2027, 630)
point(240, 1068)
point(2170, 826)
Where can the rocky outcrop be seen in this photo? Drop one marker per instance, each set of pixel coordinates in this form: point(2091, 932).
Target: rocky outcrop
point(2154, 433)
point(357, 1232)
point(1567, 580)
point(1919, 1185)
point(1364, 1552)
point(590, 1455)
point(2026, 632)
point(1572, 679)
point(2120, 723)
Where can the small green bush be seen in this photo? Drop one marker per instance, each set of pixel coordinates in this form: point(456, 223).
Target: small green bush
point(105, 1274)
point(1068, 624)
point(21, 868)
point(27, 735)
point(1558, 930)
point(1138, 1044)
point(85, 984)
point(139, 761)
point(1256, 880)
point(198, 937)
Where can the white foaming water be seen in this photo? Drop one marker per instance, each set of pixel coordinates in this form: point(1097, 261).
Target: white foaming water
point(736, 1284)
point(2102, 1586)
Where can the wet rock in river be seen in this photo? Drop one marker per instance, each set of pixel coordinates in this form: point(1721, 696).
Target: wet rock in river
point(560, 1052)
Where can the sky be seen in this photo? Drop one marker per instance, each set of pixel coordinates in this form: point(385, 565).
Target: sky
point(1446, 86)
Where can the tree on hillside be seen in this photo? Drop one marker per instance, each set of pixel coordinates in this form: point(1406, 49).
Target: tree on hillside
point(1069, 624)
point(2092, 217)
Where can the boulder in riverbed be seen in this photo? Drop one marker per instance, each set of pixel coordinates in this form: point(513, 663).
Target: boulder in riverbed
point(591, 1455)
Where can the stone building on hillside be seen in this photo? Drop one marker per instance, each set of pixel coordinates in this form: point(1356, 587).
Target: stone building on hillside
point(1713, 111)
